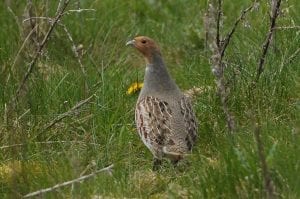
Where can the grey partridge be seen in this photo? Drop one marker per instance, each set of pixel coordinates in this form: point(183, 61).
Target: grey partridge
point(164, 116)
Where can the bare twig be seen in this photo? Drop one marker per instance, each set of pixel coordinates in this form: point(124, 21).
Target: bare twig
point(58, 7)
point(269, 187)
point(23, 45)
point(212, 24)
point(39, 50)
point(42, 191)
point(229, 35)
point(33, 25)
point(78, 57)
point(218, 47)
point(50, 142)
point(268, 183)
point(218, 20)
point(68, 113)
point(74, 47)
point(275, 8)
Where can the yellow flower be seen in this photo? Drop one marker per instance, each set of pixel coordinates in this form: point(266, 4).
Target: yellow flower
point(134, 87)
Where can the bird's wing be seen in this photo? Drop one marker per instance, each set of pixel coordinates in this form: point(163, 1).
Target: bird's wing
point(190, 121)
point(153, 120)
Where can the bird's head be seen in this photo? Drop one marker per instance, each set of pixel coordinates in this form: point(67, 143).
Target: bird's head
point(146, 46)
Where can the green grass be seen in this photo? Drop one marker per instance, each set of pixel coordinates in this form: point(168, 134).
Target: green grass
point(103, 131)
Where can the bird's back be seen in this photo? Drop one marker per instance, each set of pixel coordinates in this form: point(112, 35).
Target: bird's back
point(166, 123)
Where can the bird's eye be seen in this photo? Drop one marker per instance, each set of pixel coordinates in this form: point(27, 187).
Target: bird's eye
point(144, 41)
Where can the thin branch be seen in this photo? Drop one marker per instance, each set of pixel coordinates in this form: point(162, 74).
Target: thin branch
point(58, 7)
point(40, 48)
point(23, 45)
point(229, 35)
point(68, 35)
point(212, 25)
point(32, 23)
point(74, 49)
point(218, 69)
point(42, 191)
point(266, 44)
point(268, 183)
point(49, 142)
point(68, 113)
point(218, 21)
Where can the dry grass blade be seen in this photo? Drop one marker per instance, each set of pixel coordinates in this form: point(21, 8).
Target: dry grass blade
point(287, 27)
point(58, 7)
point(42, 191)
point(294, 55)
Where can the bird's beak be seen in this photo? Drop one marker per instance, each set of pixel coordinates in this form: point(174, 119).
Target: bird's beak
point(130, 43)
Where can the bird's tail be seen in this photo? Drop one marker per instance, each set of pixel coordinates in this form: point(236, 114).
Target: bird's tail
point(173, 155)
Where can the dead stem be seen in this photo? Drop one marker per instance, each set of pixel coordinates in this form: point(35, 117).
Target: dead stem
point(269, 187)
point(229, 35)
point(268, 183)
point(42, 191)
point(275, 8)
point(39, 51)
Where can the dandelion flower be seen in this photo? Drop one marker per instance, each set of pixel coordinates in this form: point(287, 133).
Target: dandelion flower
point(134, 87)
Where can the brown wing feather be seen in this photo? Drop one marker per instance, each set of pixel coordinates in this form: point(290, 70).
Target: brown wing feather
point(189, 121)
point(153, 123)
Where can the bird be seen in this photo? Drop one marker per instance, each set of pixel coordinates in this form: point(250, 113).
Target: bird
point(164, 116)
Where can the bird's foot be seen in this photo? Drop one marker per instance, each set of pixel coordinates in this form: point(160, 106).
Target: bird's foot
point(175, 163)
point(156, 164)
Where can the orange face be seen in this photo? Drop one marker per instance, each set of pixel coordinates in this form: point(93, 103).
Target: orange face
point(146, 46)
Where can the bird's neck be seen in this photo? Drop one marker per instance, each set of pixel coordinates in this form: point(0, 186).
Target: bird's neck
point(157, 78)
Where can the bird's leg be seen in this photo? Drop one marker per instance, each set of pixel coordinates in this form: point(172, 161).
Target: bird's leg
point(175, 162)
point(156, 164)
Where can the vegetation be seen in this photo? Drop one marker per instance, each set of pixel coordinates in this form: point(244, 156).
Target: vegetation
point(45, 140)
